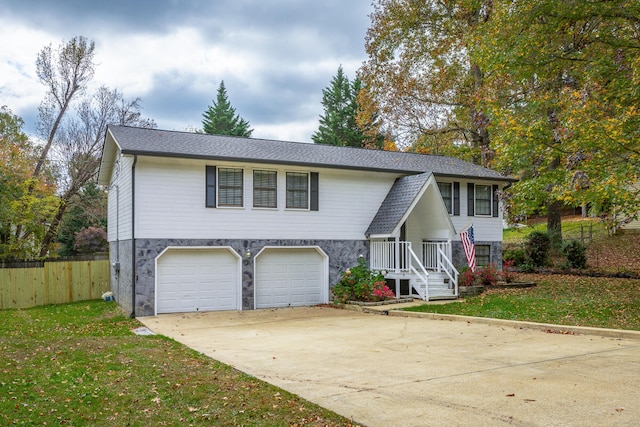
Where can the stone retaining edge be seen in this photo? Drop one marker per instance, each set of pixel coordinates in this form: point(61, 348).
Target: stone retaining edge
point(545, 327)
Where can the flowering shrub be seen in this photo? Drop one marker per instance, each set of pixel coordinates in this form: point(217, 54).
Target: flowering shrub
point(468, 278)
point(489, 275)
point(485, 276)
point(381, 292)
point(508, 275)
point(361, 284)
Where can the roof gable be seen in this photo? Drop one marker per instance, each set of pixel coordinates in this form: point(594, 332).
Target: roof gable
point(402, 198)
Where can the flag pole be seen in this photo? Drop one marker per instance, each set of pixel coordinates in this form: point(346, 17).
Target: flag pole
point(466, 227)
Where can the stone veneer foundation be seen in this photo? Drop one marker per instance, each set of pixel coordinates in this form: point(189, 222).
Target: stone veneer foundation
point(342, 255)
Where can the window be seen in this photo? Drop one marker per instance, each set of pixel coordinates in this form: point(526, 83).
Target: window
point(230, 187)
point(450, 192)
point(483, 255)
point(483, 200)
point(446, 190)
point(265, 189)
point(297, 190)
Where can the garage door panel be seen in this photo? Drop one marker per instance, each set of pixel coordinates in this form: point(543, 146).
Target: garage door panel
point(289, 277)
point(280, 285)
point(197, 280)
point(298, 283)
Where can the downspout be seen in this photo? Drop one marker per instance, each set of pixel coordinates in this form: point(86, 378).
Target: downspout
point(133, 237)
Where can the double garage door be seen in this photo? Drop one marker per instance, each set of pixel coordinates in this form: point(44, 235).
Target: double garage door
point(210, 279)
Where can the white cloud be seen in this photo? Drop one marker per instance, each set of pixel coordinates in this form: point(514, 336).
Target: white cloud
point(275, 59)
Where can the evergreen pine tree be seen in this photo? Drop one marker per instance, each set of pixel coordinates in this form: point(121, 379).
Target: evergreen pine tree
point(221, 118)
point(338, 123)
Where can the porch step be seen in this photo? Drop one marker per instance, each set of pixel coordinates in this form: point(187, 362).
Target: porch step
point(442, 297)
point(438, 290)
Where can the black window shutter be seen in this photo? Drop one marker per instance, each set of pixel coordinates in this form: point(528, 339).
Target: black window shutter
point(314, 191)
point(495, 200)
point(211, 187)
point(456, 198)
point(471, 197)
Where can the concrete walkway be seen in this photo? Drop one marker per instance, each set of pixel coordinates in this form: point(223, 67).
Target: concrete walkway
point(405, 371)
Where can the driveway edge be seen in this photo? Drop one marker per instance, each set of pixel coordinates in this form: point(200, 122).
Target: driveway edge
point(544, 327)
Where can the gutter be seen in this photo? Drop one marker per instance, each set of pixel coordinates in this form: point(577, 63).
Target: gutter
point(133, 237)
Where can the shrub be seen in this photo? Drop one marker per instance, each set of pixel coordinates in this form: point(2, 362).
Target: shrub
point(91, 240)
point(381, 292)
point(489, 275)
point(361, 284)
point(537, 248)
point(517, 256)
point(575, 252)
point(468, 278)
point(508, 275)
point(485, 276)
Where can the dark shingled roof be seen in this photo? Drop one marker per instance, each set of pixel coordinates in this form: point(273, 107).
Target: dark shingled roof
point(154, 142)
point(395, 205)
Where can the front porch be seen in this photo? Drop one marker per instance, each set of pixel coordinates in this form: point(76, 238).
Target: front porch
point(430, 274)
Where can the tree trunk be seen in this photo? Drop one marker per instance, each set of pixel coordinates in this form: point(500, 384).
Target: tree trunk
point(554, 223)
point(52, 231)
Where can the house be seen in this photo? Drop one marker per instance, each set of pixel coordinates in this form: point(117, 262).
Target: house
point(631, 224)
point(205, 222)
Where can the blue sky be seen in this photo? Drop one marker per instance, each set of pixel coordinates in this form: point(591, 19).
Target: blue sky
point(274, 56)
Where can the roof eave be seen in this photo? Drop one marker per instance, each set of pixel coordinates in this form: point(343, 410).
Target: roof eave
point(476, 177)
point(110, 147)
point(262, 161)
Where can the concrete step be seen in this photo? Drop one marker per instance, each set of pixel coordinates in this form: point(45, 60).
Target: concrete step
point(442, 297)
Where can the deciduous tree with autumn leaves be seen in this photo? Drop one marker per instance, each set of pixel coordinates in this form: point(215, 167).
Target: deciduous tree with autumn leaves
point(545, 90)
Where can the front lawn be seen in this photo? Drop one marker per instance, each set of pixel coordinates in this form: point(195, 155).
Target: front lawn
point(79, 364)
point(558, 299)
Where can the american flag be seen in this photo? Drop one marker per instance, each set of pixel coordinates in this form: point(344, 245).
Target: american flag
point(468, 244)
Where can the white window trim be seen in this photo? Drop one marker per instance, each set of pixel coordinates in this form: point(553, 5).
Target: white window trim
point(266, 208)
point(475, 201)
point(244, 196)
point(308, 208)
point(450, 184)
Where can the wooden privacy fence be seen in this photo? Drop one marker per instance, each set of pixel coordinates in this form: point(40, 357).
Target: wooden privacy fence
point(29, 284)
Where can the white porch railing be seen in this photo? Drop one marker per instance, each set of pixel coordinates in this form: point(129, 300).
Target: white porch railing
point(422, 284)
point(432, 253)
point(450, 270)
point(399, 260)
point(437, 256)
point(390, 256)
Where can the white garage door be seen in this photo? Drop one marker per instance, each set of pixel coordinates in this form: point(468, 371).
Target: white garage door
point(197, 280)
point(290, 277)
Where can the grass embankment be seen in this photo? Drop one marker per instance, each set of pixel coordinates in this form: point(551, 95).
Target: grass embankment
point(80, 364)
point(568, 299)
point(558, 299)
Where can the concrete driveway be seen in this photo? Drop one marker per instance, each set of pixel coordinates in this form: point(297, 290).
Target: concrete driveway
point(400, 371)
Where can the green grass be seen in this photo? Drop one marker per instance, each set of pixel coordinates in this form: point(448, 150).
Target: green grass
point(79, 364)
point(571, 229)
point(558, 299)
